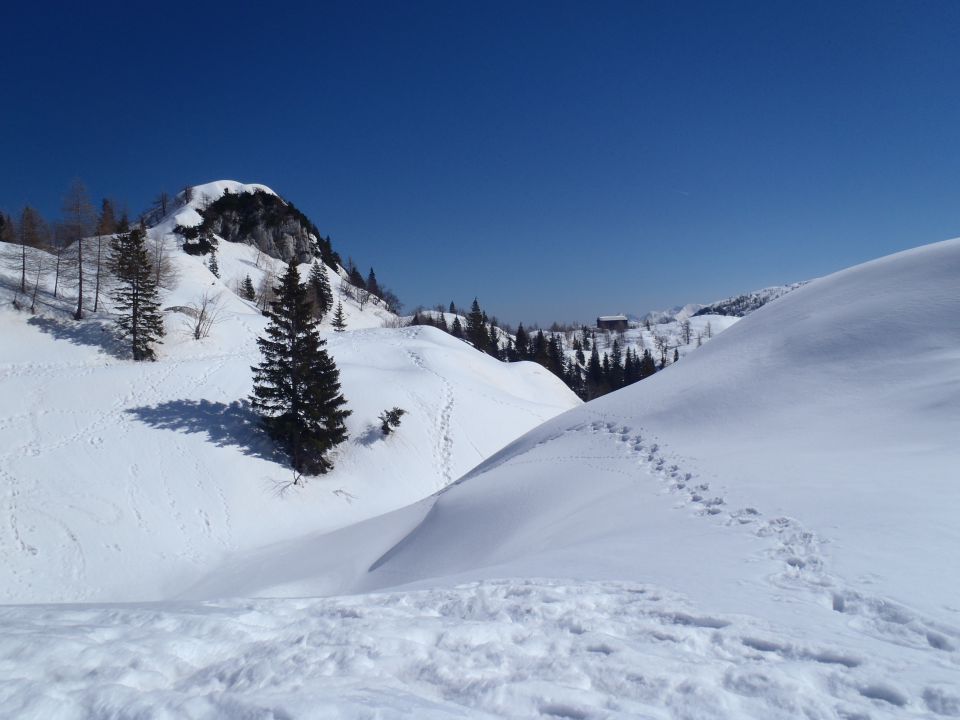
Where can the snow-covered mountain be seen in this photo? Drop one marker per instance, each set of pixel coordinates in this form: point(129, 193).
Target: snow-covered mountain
point(130, 481)
point(734, 306)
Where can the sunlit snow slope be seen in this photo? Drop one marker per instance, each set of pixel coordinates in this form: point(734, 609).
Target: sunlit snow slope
point(797, 480)
point(131, 481)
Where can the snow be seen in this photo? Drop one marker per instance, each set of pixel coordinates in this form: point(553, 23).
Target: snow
point(794, 479)
point(764, 529)
point(125, 481)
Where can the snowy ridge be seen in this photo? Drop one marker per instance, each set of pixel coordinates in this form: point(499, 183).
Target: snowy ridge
point(735, 306)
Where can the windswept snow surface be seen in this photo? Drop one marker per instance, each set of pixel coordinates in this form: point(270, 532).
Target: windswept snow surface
point(766, 529)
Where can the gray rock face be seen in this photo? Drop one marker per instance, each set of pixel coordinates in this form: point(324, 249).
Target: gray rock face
point(265, 221)
point(284, 239)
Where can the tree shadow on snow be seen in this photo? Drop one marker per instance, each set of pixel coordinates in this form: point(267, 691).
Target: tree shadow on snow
point(233, 425)
point(83, 332)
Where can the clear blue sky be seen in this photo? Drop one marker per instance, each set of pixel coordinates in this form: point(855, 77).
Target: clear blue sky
point(558, 160)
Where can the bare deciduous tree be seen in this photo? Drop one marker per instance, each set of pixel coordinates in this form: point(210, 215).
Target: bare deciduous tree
point(205, 314)
point(165, 272)
point(266, 293)
point(78, 220)
point(662, 342)
point(685, 332)
point(363, 297)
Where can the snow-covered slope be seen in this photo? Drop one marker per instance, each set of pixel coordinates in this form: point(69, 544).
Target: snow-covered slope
point(765, 529)
point(783, 502)
point(131, 481)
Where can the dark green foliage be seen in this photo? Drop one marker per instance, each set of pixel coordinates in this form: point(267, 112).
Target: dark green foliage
point(247, 291)
point(456, 328)
point(321, 296)
point(647, 365)
point(372, 284)
point(521, 344)
point(135, 295)
point(476, 328)
point(297, 385)
point(339, 322)
point(390, 419)
point(212, 263)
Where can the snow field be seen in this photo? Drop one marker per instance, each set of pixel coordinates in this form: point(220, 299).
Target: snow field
point(507, 648)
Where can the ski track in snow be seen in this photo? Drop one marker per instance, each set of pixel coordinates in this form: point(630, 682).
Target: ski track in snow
point(515, 648)
point(804, 565)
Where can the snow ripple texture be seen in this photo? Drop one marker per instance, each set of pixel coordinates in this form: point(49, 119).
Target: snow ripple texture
point(520, 648)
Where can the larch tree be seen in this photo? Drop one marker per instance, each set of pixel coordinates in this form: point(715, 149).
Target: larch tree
point(106, 226)
point(135, 295)
point(296, 388)
point(78, 219)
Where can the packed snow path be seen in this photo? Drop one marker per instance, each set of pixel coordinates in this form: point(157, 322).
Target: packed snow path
point(520, 648)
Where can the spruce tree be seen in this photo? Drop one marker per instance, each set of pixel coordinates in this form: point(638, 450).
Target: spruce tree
point(320, 293)
point(647, 365)
point(522, 343)
point(247, 291)
point(212, 263)
point(372, 285)
point(135, 296)
point(297, 385)
point(476, 328)
point(339, 322)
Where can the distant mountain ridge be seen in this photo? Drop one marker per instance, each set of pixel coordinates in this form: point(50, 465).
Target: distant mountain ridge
point(734, 306)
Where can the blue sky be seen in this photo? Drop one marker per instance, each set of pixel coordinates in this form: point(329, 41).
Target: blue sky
point(557, 160)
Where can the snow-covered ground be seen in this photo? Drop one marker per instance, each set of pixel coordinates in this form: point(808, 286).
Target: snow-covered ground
point(766, 529)
point(788, 494)
point(131, 481)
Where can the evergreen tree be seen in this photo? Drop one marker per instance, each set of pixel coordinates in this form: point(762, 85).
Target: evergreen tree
point(106, 226)
point(594, 383)
point(247, 291)
point(453, 308)
point(476, 328)
point(135, 295)
point(456, 329)
point(339, 322)
point(212, 263)
point(522, 343)
point(676, 354)
point(538, 349)
point(320, 293)
point(647, 365)
point(616, 365)
point(372, 284)
point(296, 387)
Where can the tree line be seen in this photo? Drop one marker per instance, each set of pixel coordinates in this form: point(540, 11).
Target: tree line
point(588, 373)
point(97, 254)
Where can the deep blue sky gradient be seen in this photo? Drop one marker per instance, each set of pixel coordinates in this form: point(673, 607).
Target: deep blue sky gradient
point(558, 160)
